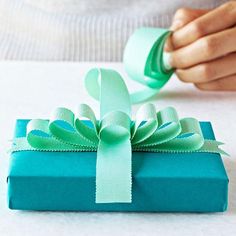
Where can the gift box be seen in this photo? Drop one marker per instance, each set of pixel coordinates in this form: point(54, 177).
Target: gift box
point(154, 162)
point(161, 182)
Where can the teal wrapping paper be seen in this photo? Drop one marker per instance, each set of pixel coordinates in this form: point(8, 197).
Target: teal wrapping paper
point(162, 182)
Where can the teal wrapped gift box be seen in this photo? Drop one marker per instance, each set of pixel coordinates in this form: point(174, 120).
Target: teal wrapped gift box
point(162, 182)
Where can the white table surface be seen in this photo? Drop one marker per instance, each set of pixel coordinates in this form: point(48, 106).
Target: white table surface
point(32, 90)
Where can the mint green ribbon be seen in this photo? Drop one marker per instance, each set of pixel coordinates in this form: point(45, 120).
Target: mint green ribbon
point(114, 136)
point(146, 63)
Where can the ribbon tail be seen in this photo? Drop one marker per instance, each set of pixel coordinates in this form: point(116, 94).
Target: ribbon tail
point(113, 172)
point(213, 147)
point(144, 95)
point(21, 144)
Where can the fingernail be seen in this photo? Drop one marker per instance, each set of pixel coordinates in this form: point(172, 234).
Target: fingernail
point(168, 45)
point(177, 24)
point(167, 60)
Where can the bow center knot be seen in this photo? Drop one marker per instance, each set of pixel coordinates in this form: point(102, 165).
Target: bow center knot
point(115, 127)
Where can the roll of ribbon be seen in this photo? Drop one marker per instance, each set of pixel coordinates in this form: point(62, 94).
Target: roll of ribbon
point(145, 61)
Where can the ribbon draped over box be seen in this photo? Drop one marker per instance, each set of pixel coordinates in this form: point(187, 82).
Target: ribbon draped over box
point(114, 136)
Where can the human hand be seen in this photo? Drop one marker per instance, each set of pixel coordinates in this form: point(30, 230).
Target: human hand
point(203, 47)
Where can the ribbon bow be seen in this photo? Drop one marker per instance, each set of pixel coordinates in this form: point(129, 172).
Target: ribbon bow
point(115, 135)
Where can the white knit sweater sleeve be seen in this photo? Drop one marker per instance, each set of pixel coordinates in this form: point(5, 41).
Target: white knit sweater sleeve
point(80, 30)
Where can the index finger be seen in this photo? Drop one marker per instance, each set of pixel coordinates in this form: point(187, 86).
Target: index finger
point(214, 21)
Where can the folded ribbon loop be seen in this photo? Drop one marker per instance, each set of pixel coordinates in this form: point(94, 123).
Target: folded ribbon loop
point(61, 126)
point(114, 136)
point(145, 61)
point(90, 133)
point(115, 126)
point(145, 124)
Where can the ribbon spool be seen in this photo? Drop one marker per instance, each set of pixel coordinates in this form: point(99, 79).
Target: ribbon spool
point(146, 63)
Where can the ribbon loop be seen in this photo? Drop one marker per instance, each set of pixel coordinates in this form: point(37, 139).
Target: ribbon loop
point(115, 126)
point(168, 128)
point(37, 133)
point(189, 139)
point(89, 133)
point(145, 124)
point(166, 116)
point(99, 82)
point(62, 127)
point(39, 137)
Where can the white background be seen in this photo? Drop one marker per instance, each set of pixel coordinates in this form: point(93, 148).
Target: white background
point(33, 90)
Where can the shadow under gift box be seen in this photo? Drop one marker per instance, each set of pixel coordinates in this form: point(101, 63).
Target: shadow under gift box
point(162, 182)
